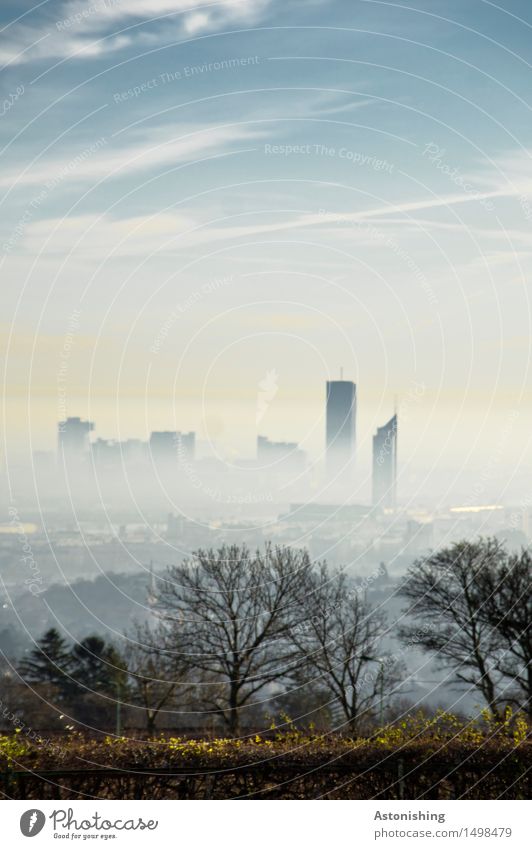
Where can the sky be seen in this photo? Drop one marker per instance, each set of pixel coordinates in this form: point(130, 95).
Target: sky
point(200, 197)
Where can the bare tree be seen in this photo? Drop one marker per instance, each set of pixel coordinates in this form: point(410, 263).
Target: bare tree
point(507, 608)
point(448, 590)
point(341, 645)
point(235, 612)
point(158, 668)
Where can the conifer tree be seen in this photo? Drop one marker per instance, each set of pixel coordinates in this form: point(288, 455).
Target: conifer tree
point(50, 662)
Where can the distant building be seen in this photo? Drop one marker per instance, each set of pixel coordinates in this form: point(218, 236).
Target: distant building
point(286, 455)
point(385, 465)
point(418, 537)
point(110, 453)
point(133, 450)
point(171, 445)
point(73, 438)
point(341, 413)
point(319, 514)
point(175, 527)
point(105, 452)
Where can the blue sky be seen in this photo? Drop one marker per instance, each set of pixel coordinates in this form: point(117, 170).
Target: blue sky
point(219, 190)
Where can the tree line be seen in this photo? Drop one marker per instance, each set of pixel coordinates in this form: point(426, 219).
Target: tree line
point(235, 634)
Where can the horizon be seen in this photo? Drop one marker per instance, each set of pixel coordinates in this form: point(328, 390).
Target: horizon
point(163, 231)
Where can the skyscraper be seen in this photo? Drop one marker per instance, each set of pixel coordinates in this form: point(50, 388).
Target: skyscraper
point(341, 426)
point(385, 465)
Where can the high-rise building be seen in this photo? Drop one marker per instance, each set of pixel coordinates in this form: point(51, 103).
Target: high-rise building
point(385, 465)
point(73, 438)
point(341, 427)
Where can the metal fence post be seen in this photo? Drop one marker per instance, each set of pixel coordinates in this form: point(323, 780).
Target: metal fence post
point(400, 776)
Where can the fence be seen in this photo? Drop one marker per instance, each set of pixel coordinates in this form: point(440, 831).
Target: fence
point(456, 774)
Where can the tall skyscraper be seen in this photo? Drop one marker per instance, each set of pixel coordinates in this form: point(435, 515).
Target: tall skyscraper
point(385, 465)
point(341, 427)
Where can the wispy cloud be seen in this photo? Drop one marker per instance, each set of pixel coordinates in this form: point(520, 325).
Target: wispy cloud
point(216, 11)
point(100, 236)
point(170, 232)
point(89, 28)
point(112, 159)
point(512, 173)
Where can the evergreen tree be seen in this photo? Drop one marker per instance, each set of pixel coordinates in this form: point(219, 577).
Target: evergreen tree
point(97, 666)
point(50, 662)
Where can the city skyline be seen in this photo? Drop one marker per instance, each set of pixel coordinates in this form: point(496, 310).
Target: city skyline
point(281, 457)
point(265, 438)
point(340, 434)
point(162, 231)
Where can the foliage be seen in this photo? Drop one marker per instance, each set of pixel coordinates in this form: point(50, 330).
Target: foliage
point(49, 662)
point(420, 757)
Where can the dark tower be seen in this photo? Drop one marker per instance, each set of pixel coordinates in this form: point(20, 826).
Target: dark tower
point(341, 426)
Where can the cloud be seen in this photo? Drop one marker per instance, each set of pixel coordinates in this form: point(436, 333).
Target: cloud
point(89, 28)
point(196, 23)
point(510, 173)
point(29, 43)
point(170, 231)
point(101, 235)
point(96, 12)
point(112, 158)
